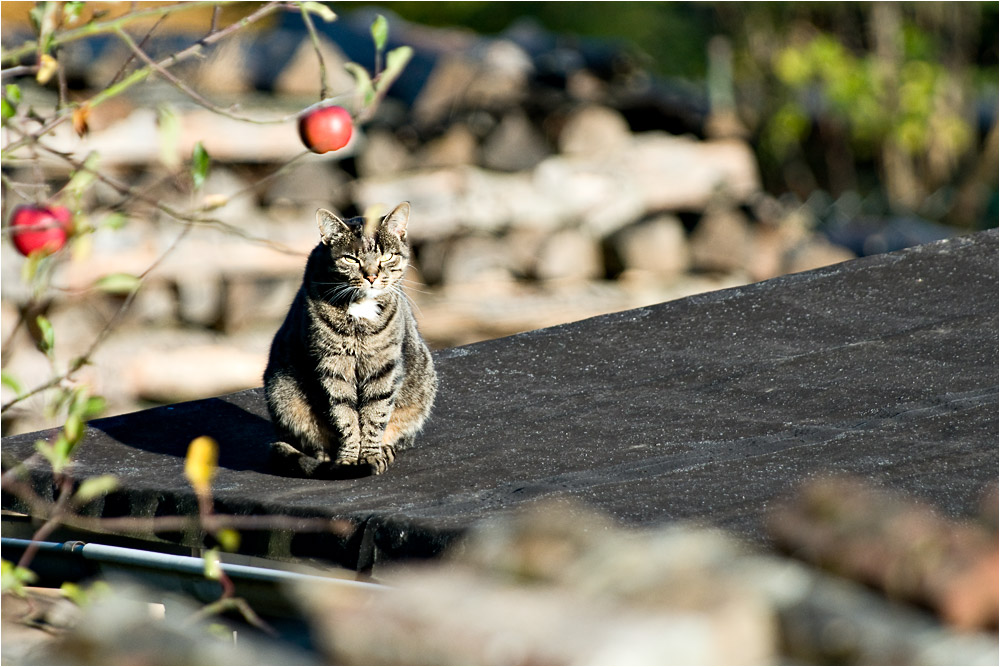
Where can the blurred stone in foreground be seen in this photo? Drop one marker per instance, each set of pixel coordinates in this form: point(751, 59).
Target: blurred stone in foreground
point(121, 627)
point(901, 546)
point(559, 585)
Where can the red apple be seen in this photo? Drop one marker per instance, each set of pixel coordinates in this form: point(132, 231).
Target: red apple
point(325, 128)
point(43, 228)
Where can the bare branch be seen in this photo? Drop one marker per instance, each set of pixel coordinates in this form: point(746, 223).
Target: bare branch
point(323, 91)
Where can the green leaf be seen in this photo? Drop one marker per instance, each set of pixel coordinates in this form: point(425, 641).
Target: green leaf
point(13, 93)
point(61, 451)
point(114, 220)
point(49, 452)
point(73, 430)
point(380, 32)
point(13, 579)
point(72, 10)
point(82, 596)
point(94, 406)
point(47, 338)
point(200, 163)
point(74, 593)
point(364, 82)
point(118, 283)
point(30, 268)
point(7, 110)
point(11, 383)
point(95, 487)
point(169, 125)
point(395, 61)
point(84, 177)
point(320, 10)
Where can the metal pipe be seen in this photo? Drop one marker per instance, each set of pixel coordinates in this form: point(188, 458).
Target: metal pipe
point(74, 561)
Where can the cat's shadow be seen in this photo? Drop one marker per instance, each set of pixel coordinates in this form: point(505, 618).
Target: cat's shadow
point(244, 437)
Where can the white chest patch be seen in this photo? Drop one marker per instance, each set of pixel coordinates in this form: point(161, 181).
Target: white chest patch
point(366, 309)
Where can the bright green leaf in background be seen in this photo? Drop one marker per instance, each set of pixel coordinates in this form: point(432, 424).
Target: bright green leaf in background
point(118, 283)
point(11, 98)
point(114, 220)
point(364, 81)
point(320, 10)
point(73, 429)
point(13, 579)
point(169, 125)
point(82, 596)
point(47, 335)
point(95, 487)
point(84, 177)
point(72, 11)
point(11, 383)
point(200, 163)
point(380, 32)
point(395, 61)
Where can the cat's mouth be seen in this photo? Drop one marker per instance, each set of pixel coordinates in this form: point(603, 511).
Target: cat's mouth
point(367, 290)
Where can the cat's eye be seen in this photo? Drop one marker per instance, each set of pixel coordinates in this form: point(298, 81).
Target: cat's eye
point(350, 259)
point(387, 256)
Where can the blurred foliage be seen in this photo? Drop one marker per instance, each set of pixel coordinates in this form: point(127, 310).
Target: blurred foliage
point(671, 34)
point(894, 103)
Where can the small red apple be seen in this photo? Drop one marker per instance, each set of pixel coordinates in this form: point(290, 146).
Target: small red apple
point(35, 227)
point(325, 128)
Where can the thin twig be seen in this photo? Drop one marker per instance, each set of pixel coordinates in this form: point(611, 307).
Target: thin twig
point(191, 92)
point(92, 28)
point(172, 212)
point(106, 331)
point(323, 90)
point(46, 529)
point(142, 74)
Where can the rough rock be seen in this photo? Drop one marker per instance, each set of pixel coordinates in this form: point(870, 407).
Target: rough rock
point(309, 187)
point(813, 254)
point(569, 255)
point(658, 246)
point(225, 69)
point(456, 147)
point(493, 78)
point(594, 130)
point(167, 376)
point(514, 145)
point(476, 259)
point(301, 76)
point(383, 155)
point(721, 240)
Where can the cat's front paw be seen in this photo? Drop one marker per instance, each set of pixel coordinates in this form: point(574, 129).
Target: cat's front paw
point(380, 460)
point(346, 460)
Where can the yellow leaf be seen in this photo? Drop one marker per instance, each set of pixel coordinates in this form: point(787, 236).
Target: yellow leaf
point(201, 462)
point(81, 116)
point(213, 568)
point(47, 66)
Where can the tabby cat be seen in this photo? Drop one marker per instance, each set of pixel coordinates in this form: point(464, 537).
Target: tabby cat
point(349, 381)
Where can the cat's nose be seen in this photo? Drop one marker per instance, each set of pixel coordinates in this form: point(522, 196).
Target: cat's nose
point(372, 278)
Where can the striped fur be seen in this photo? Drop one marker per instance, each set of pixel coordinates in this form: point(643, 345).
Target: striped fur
point(349, 381)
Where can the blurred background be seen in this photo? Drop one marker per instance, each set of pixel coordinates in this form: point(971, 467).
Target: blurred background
point(563, 160)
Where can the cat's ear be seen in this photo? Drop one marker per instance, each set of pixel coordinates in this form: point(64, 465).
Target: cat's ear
point(330, 226)
point(396, 221)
